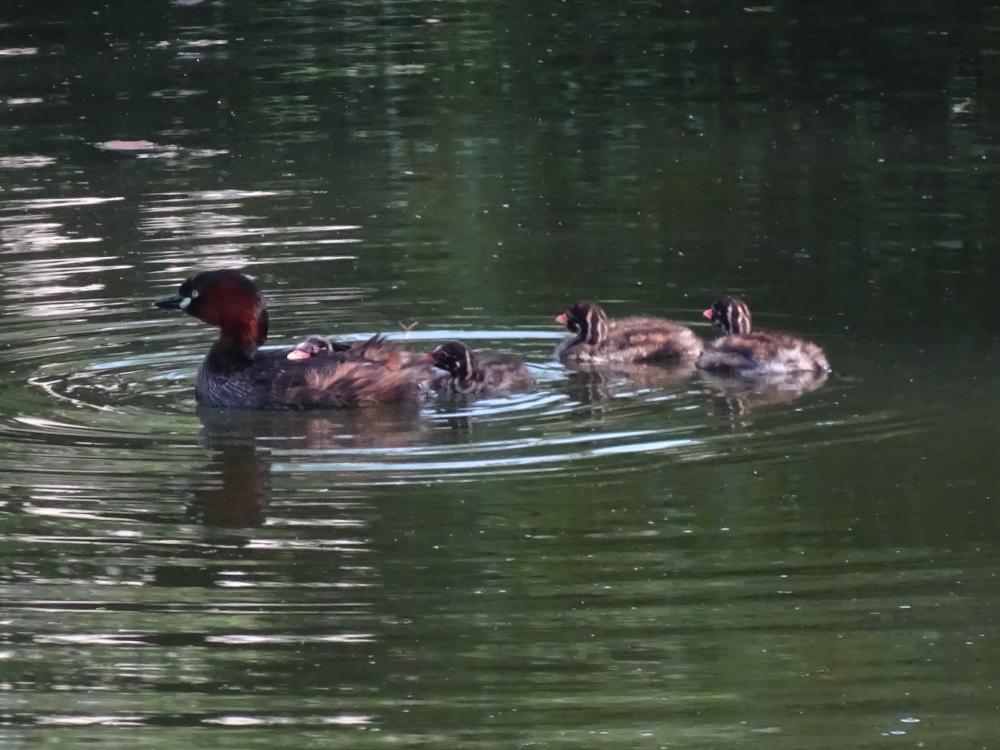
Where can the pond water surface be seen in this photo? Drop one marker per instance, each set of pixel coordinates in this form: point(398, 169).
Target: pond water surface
point(620, 561)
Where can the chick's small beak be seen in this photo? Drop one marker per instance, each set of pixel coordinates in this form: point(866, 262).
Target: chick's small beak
point(172, 302)
point(561, 319)
point(297, 354)
point(708, 313)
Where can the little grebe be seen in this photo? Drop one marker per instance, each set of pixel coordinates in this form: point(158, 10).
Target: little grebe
point(377, 349)
point(743, 351)
point(600, 340)
point(316, 346)
point(478, 373)
point(235, 374)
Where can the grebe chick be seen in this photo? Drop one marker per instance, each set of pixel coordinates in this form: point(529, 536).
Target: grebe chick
point(601, 340)
point(479, 373)
point(743, 351)
point(315, 346)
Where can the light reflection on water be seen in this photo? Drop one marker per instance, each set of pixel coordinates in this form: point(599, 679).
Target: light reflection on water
point(166, 531)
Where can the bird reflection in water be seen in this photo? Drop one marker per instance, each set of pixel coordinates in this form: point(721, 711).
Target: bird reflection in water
point(592, 384)
point(739, 396)
point(237, 482)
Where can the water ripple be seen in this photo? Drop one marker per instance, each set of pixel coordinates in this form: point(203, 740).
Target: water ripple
point(136, 385)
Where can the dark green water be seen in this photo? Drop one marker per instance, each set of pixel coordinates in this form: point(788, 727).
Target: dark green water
point(633, 563)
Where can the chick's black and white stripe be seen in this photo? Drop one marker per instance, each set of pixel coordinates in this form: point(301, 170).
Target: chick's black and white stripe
point(478, 373)
point(732, 315)
point(589, 322)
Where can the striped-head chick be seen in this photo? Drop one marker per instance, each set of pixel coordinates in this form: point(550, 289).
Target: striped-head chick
point(312, 347)
point(731, 314)
point(455, 358)
point(588, 321)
